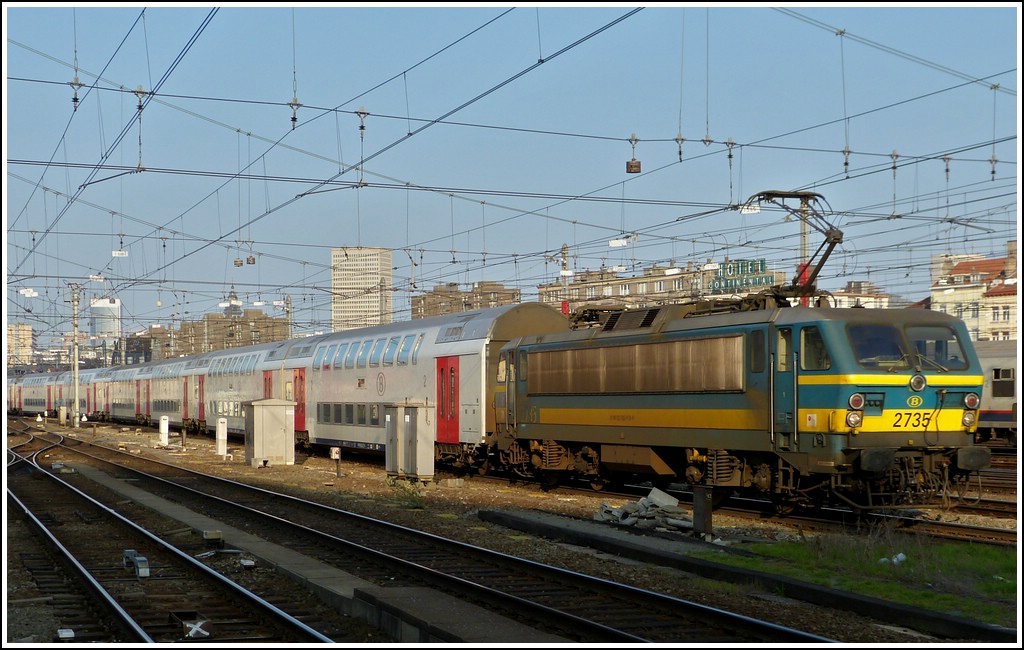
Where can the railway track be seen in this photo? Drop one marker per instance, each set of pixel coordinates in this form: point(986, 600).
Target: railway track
point(918, 522)
point(153, 588)
point(574, 606)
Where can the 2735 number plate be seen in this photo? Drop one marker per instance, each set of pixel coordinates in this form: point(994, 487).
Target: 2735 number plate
point(912, 420)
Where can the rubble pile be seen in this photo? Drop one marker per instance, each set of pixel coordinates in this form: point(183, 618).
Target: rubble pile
point(656, 510)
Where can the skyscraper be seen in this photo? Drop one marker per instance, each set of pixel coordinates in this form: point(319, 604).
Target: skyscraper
point(361, 287)
point(104, 320)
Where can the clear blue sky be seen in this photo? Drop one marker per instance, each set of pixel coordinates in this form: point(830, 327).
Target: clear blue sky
point(493, 135)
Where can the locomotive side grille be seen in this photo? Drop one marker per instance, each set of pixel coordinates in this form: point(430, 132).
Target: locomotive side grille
point(631, 319)
point(709, 364)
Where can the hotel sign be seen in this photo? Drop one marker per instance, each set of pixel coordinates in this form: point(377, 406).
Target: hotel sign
point(737, 276)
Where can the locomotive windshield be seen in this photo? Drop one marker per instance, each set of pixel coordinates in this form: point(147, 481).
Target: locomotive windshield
point(925, 347)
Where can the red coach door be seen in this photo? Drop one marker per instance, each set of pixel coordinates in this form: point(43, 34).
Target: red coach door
point(448, 399)
point(300, 399)
point(268, 384)
point(201, 400)
point(184, 400)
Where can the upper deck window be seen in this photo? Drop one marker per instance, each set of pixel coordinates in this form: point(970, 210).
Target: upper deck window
point(389, 352)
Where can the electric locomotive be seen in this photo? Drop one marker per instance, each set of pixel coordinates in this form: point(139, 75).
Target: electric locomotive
point(809, 406)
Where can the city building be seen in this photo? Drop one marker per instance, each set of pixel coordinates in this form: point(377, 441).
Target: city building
point(861, 293)
point(361, 287)
point(449, 299)
point(20, 344)
point(981, 291)
point(104, 320)
point(232, 328)
point(659, 285)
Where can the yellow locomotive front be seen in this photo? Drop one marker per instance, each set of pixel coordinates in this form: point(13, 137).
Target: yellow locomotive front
point(892, 407)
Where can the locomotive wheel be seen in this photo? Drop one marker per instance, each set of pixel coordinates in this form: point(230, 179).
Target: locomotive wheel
point(548, 480)
point(719, 495)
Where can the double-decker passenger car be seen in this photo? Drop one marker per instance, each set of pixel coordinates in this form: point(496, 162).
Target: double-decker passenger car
point(997, 421)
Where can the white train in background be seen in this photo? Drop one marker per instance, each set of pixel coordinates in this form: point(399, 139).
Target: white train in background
point(340, 382)
point(997, 420)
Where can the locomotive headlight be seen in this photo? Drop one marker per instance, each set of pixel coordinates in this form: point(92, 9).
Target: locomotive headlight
point(854, 419)
point(917, 383)
point(857, 401)
point(971, 400)
point(969, 418)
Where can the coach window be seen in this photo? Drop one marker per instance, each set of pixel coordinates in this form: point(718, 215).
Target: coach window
point(319, 356)
point(364, 352)
point(360, 413)
point(375, 415)
point(378, 348)
point(416, 348)
point(349, 414)
point(350, 358)
point(327, 359)
point(405, 350)
point(336, 416)
point(389, 352)
point(813, 353)
point(340, 356)
point(1003, 380)
point(784, 350)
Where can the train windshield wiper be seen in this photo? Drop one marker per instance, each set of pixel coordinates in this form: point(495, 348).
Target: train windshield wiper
point(932, 362)
point(906, 357)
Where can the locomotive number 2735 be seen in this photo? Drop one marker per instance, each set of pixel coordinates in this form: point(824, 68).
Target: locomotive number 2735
point(911, 420)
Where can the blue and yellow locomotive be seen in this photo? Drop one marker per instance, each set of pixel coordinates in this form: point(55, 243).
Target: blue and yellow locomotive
point(811, 406)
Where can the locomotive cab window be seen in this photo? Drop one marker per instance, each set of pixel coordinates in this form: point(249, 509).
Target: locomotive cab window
point(756, 343)
point(813, 353)
point(784, 350)
point(502, 368)
point(937, 348)
point(878, 346)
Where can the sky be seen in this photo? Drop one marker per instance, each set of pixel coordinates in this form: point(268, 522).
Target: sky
point(148, 150)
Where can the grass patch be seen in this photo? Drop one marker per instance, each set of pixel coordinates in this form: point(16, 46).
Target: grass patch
point(977, 582)
point(407, 493)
